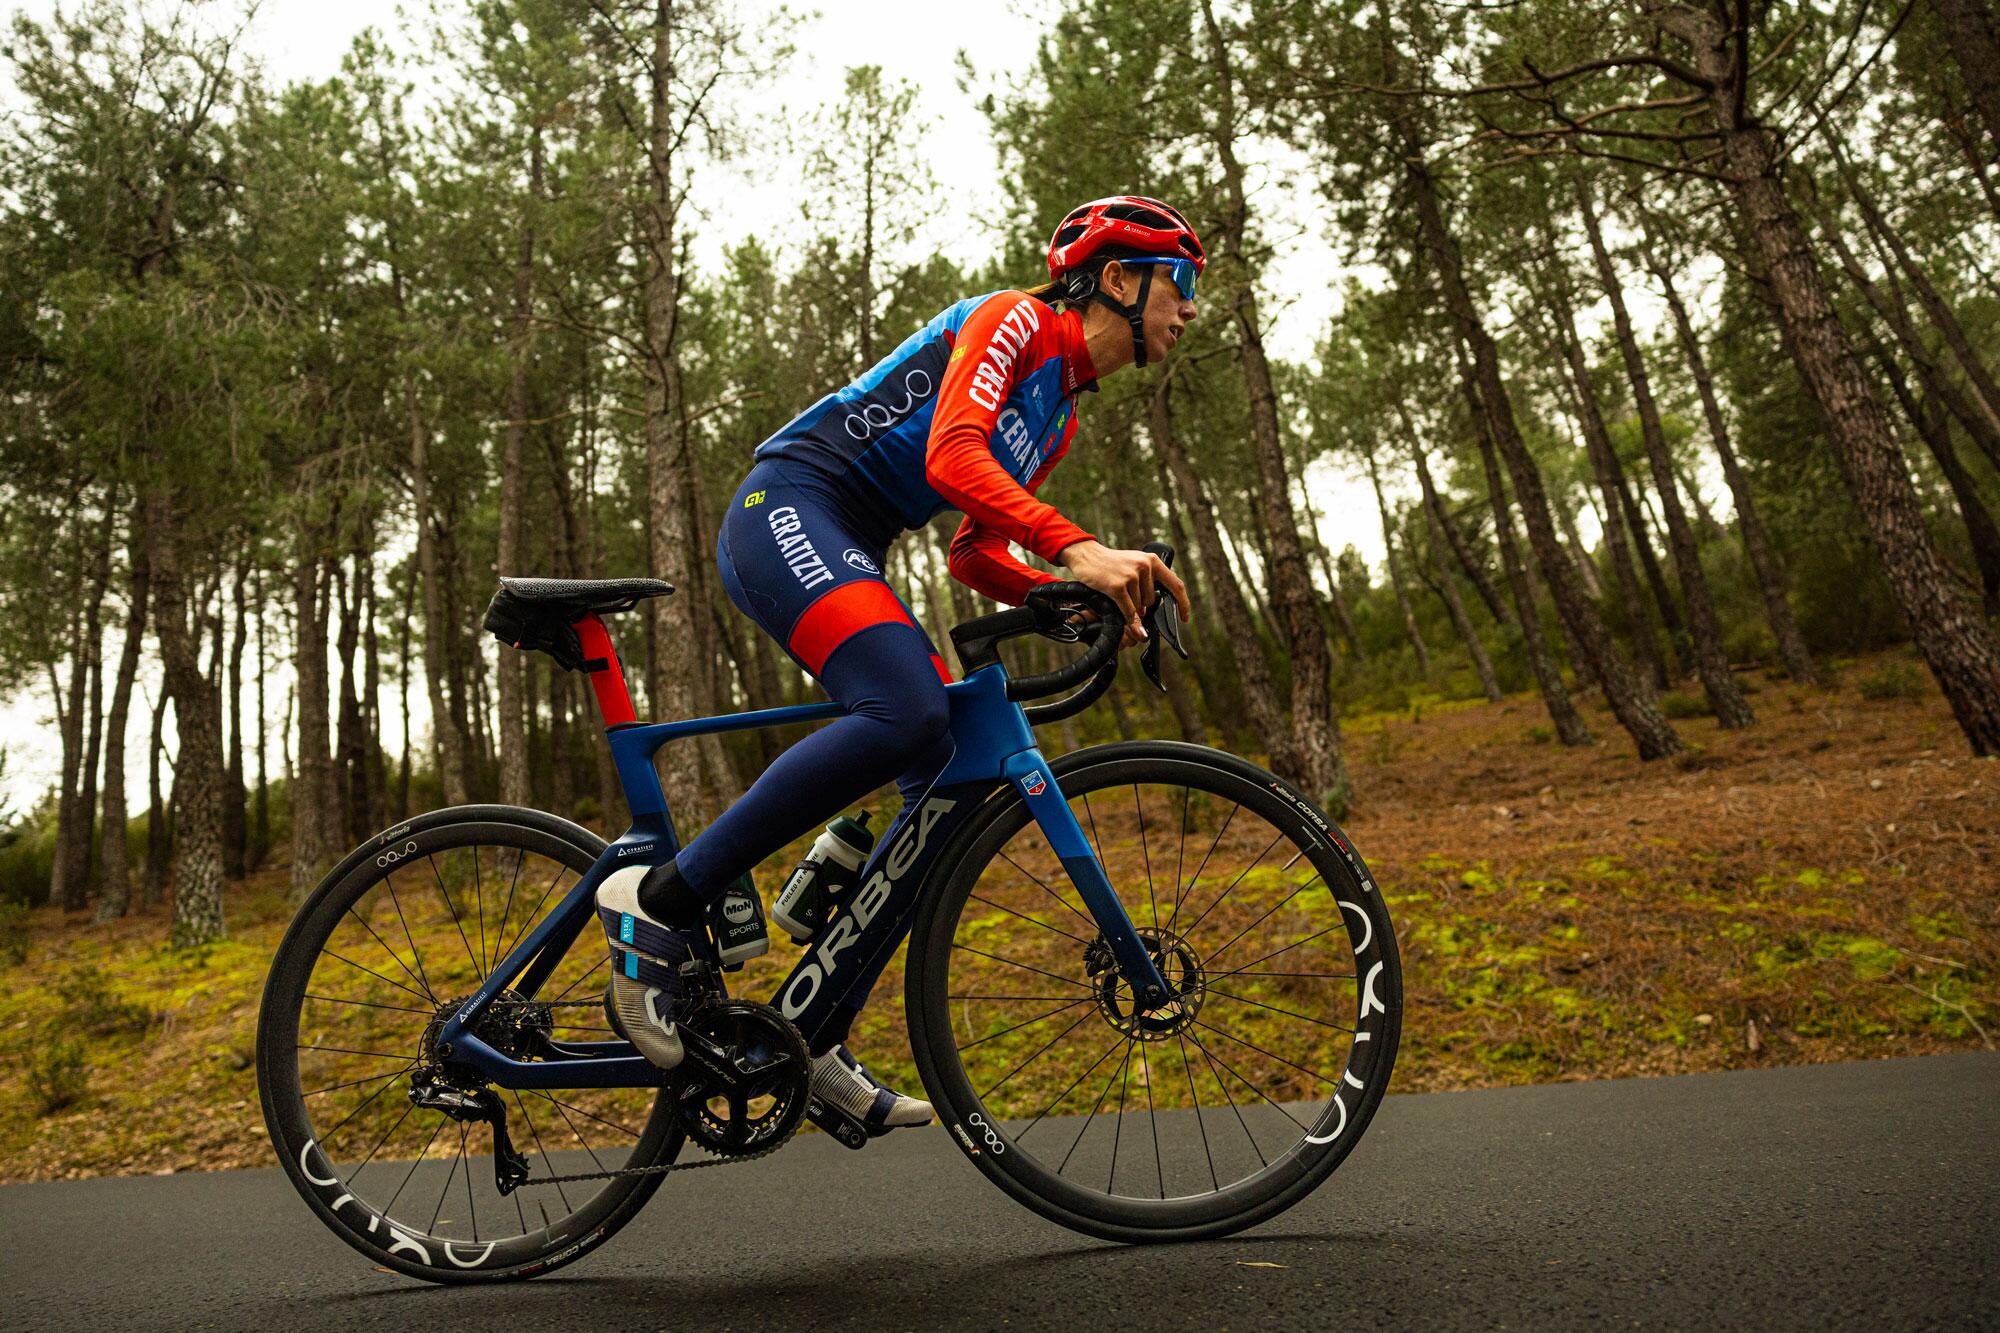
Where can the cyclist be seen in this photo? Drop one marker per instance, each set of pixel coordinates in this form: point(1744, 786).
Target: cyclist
point(972, 412)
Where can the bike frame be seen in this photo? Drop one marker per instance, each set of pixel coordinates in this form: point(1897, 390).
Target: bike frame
point(993, 748)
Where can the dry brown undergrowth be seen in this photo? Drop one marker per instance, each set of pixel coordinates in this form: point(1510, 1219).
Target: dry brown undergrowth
point(1823, 886)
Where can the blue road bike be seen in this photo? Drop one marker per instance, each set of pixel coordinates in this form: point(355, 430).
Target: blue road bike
point(1150, 988)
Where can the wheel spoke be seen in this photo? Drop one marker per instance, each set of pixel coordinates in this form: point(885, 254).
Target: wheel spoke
point(345, 1050)
point(366, 1102)
point(1245, 969)
point(1053, 976)
point(1046, 889)
point(479, 906)
point(1201, 1124)
point(541, 1148)
point(416, 954)
point(1036, 1056)
point(421, 1154)
point(1037, 920)
point(1267, 912)
point(1153, 1114)
point(1304, 1018)
point(1222, 1032)
point(369, 1004)
point(449, 1176)
point(500, 927)
point(445, 894)
point(361, 967)
point(534, 913)
point(1278, 838)
point(1091, 1119)
point(1030, 1023)
point(385, 946)
point(577, 1132)
point(356, 1082)
point(1216, 1059)
point(1147, 853)
point(1181, 892)
point(622, 1129)
point(1115, 1042)
point(407, 1112)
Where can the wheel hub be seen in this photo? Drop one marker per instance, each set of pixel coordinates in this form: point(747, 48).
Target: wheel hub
point(1179, 966)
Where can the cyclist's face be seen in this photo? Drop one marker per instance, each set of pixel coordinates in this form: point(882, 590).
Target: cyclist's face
point(1168, 314)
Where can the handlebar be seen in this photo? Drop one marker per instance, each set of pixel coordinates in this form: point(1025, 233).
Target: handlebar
point(1052, 611)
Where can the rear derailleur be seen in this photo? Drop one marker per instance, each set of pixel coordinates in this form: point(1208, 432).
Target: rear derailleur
point(467, 1105)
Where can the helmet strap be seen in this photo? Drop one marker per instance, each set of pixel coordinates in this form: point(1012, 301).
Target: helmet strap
point(1135, 313)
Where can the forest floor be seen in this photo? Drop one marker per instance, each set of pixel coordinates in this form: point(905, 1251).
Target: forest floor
point(1822, 886)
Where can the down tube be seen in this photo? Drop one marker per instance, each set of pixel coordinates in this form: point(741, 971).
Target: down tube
point(859, 942)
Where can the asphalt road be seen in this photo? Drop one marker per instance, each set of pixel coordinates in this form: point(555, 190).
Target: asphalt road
point(1854, 1196)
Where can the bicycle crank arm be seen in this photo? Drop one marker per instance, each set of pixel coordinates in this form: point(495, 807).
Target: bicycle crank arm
point(846, 1130)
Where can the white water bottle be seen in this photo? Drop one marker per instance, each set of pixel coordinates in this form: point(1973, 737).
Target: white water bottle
point(836, 855)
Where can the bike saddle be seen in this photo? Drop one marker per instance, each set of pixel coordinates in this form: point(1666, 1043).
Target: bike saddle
point(581, 595)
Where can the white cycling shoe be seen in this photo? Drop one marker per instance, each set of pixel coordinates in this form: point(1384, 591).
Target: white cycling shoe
point(646, 958)
point(839, 1078)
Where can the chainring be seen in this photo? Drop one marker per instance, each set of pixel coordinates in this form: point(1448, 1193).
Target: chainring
point(742, 1087)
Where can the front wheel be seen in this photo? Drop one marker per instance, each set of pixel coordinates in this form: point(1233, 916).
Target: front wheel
point(1182, 1125)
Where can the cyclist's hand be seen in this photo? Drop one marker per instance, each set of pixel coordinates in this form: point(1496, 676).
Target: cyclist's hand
point(1129, 578)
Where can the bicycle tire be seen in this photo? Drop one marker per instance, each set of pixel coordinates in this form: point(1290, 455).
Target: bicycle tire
point(573, 1230)
point(980, 1123)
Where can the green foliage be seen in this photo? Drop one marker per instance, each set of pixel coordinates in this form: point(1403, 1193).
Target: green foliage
point(13, 933)
point(26, 861)
point(58, 1076)
point(1680, 704)
point(92, 1004)
point(1896, 680)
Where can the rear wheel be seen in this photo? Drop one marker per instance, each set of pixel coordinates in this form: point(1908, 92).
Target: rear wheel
point(1176, 1126)
point(394, 939)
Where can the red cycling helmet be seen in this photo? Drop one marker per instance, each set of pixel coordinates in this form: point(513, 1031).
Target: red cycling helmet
point(1131, 221)
point(1124, 226)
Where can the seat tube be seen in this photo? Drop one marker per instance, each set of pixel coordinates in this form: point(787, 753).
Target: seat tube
point(607, 675)
point(1030, 774)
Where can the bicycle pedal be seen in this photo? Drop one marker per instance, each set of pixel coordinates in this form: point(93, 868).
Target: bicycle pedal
point(849, 1132)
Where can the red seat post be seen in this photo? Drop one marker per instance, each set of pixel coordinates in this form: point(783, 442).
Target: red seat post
point(607, 677)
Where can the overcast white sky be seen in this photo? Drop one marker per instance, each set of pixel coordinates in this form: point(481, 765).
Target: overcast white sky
point(305, 39)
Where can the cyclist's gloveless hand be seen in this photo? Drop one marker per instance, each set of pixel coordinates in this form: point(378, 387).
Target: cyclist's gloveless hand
point(1129, 578)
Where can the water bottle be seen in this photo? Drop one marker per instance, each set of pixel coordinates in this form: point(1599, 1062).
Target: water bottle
point(737, 918)
point(828, 871)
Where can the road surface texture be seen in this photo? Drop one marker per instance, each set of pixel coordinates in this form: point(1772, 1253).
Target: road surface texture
point(1853, 1196)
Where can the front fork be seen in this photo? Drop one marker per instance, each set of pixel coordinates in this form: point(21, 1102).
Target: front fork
point(1030, 774)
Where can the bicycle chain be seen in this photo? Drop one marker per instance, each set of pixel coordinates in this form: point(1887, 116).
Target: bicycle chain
point(625, 1172)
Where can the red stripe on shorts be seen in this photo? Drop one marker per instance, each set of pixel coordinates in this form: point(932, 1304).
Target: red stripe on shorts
point(840, 615)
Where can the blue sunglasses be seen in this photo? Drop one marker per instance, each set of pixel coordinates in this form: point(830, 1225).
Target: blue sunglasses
point(1182, 271)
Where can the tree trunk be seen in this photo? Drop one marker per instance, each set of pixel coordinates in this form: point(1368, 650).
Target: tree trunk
point(1649, 728)
point(159, 833)
point(1453, 603)
point(1638, 524)
point(86, 803)
point(1396, 569)
point(1711, 659)
point(1342, 619)
point(114, 897)
point(1320, 768)
point(1569, 724)
point(235, 813)
point(1765, 560)
point(674, 680)
point(1441, 522)
point(1937, 383)
point(351, 756)
point(447, 723)
point(1604, 468)
point(1954, 638)
point(1253, 673)
point(260, 821)
point(1935, 431)
point(1973, 37)
point(515, 707)
point(1585, 566)
point(198, 770)
point(315, 802)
